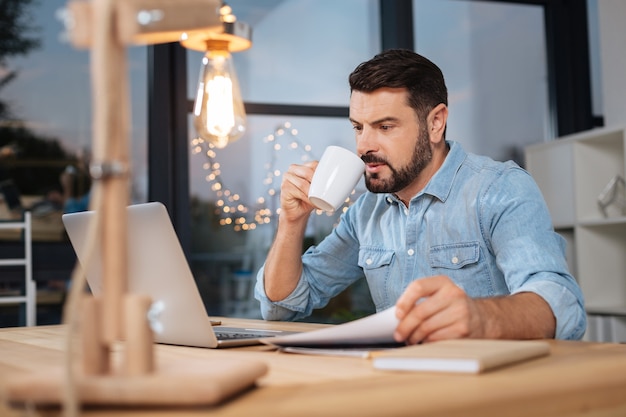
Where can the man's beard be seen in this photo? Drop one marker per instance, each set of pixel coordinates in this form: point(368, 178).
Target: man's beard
point(400, 177)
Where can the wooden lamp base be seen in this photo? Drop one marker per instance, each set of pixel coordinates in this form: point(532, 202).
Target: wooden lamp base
point(127, 373)
point(178, 383)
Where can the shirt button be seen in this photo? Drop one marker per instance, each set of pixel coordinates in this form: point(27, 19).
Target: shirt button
point(455, 260)
point(410, 252)
point(406, 211)
point(368, 261)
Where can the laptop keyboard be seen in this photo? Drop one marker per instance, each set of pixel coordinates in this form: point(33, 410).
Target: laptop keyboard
point(235, 336)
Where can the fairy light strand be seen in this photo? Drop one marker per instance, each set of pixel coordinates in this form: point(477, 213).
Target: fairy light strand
point(229, 206)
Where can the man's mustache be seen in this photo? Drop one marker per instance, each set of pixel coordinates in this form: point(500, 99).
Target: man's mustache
point(373, 159)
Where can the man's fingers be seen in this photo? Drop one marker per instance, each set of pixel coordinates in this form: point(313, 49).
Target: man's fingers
point(422, 318)
point(300, 175)
point(442, 310)
point(418, 289)
point(295, 187)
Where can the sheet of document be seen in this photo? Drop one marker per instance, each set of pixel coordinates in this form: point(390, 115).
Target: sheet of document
point(376, 329)
point(364, 352)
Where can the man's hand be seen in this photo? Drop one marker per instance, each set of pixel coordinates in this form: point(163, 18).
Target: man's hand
point(434, 308)
point(294, 191)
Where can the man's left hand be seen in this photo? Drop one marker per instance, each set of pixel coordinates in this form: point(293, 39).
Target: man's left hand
point(435, 308)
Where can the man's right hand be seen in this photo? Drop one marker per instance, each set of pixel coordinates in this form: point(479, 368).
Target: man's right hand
point(294, 191)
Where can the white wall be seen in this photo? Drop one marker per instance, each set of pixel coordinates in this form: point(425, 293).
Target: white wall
point(612, 18)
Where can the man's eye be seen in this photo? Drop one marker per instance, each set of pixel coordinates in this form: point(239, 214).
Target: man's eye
point(385, 127)
point(357, 128)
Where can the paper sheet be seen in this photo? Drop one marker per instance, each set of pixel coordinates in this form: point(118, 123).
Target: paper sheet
point(374, 330)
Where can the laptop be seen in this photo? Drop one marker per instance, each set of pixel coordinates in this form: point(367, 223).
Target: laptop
point(157, 267)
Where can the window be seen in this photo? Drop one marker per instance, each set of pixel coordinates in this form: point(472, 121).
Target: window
point(45, 133)
point(302, 53)
point(493, 56)
point(594, 58)
point(48, 131)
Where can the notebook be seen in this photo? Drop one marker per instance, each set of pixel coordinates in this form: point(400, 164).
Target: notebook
point(461, 355)
point(157, 267)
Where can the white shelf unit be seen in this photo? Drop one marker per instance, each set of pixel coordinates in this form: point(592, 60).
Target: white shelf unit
point(29, 298)
point(572, 172)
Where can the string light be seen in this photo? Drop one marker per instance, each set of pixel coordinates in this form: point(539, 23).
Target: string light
point(229, 207)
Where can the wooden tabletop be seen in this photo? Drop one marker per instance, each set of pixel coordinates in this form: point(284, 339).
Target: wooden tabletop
point(576, 379)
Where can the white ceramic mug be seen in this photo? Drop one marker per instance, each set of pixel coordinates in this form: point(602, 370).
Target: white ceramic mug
point(336, 175)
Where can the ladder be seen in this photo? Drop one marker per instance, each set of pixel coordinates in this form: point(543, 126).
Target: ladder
point(30, 287)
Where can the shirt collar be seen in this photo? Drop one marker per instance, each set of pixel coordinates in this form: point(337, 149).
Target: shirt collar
point(440, 185)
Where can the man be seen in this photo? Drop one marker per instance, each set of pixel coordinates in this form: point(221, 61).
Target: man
point(462, 245)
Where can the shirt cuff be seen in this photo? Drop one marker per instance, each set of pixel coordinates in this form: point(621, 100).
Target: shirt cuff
point(571, 319)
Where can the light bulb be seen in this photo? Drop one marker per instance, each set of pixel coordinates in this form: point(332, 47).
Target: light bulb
point(219, 114)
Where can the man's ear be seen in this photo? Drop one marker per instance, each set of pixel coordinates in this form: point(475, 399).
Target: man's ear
point(436, 121)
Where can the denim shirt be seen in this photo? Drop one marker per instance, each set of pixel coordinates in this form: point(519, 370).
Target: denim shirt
point(482, 223)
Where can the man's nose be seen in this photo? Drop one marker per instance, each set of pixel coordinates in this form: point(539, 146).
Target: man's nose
point(366, 142)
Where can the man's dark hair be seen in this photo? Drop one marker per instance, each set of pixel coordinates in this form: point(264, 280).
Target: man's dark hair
point(402, 68)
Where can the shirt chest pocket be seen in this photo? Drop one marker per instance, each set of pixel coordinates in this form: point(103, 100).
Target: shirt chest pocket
point(462, 263)
point(372, 259)
point(377, 265)
point(454, 256)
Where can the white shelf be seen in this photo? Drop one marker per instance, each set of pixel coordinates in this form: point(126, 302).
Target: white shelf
point(572, 172)
point(616, 310)
point(552, 166)
point(610, 221)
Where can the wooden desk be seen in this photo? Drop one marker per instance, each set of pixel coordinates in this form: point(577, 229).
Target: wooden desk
point(577, 379)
